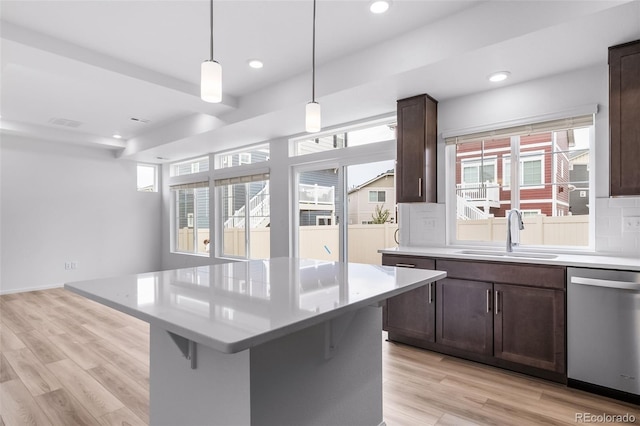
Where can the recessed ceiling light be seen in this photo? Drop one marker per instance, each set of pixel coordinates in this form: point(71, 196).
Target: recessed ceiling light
point(117, 136)
point(499, 76)
point(379, 6)
point(256, 63)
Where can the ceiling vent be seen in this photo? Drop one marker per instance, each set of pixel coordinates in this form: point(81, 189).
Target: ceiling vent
point(140, 120)
point(65, 122)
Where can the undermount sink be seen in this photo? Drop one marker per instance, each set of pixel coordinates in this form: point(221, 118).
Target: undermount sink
point(505, 254)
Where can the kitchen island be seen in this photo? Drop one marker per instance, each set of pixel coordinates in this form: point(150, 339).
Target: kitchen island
point(265, 342)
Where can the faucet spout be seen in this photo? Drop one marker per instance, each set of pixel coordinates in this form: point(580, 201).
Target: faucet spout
point(510, 243)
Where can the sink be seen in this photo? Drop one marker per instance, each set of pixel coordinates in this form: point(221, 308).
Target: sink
point(512, 254)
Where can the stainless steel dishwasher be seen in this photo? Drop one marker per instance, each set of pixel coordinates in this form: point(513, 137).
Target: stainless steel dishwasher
point(603, 331)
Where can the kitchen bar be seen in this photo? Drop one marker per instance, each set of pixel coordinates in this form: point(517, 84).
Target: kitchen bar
point(269, 342)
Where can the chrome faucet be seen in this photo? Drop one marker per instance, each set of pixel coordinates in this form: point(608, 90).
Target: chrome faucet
point(520, 226)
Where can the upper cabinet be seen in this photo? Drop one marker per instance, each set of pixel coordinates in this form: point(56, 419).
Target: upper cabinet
point(416, 161)
point(624, 118)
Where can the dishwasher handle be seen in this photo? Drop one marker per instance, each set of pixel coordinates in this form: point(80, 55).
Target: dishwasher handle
point(599, 282)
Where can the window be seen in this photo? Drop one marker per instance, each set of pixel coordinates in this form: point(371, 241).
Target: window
point(532, 170)
point(245, 216)
point(147, 178)
point(478, 171)
point(191, 218)
point(197, 165)
point(377, 196)
point(361, 135)
point(248, 155)
point(552, 173)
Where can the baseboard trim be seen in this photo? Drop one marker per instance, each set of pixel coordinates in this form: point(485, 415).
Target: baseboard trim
point(24, 290)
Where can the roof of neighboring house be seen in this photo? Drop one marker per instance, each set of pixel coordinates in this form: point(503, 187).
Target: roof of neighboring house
point(370, 181)
point(582, 155)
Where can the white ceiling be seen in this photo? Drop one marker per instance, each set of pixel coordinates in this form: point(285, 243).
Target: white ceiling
point(99, 63)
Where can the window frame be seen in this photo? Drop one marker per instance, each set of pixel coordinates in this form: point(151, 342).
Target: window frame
point(469, 163)
point(155, 186)
point(450, 181)
point(174, 214)
point(378, 192)
point(535, 156)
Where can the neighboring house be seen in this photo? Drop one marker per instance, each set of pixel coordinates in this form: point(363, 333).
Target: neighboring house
point(483, 171)
point(363, 199)
point(579, 188)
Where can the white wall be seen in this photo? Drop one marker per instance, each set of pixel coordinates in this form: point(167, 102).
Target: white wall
point(61, 203)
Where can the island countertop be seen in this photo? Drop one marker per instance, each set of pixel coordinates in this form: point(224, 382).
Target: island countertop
point(234, 306)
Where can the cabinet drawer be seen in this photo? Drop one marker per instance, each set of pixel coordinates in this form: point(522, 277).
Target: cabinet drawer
point(523, 274)
point(408, 261)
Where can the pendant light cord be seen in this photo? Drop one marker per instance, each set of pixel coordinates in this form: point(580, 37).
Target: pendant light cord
point(313, 56)
point(211, 27)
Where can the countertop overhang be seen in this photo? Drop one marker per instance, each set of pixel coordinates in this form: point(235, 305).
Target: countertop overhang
point(234, 306)
point(562, 259)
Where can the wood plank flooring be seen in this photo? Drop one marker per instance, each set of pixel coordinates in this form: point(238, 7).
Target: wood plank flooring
point(65, 360)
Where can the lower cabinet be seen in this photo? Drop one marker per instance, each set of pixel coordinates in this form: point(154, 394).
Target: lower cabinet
point(463, 316)
point(411, 314)
point(503, 314)
point(529, 326)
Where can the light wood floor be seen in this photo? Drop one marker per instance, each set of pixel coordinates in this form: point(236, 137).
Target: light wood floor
point(65, 360)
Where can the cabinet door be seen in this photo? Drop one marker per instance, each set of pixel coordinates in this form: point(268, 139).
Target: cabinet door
point(412, 313)
point(529, 326)
point(416, 149)
point(464, 318)
point(624, 118)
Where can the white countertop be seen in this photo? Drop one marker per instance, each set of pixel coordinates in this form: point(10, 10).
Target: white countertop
point(577, 260)
point(234, 306)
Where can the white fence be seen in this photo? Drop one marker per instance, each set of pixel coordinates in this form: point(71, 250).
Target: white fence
point(316, 242)
point(538, 230)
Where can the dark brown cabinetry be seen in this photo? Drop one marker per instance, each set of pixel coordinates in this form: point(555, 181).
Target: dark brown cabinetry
point(412, 313)
point(416, 171)
point(504, 314)
point(529, 326)
point(464, 319)
point(624, 118)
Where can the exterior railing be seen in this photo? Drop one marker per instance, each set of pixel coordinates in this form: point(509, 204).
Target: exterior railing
point(478, 191)
point(315, 194)
point(467, 211)
point(259, 210)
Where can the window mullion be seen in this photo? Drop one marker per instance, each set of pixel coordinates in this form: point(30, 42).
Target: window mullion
point(515, 172)
point(195, 221)
point(247, 218)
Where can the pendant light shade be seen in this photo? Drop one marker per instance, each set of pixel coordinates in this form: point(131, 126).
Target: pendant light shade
point(313, 121)
point(211, 82)
point(211, 71)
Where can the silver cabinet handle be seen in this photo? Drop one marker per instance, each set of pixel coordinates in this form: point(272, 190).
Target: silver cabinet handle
point(488, 301)
point(430, 293)
point(419, 187)
point(405, 265)
point(497, 302)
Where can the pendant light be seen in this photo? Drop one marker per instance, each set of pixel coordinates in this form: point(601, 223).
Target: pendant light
point(312, 123)
point(211, 71)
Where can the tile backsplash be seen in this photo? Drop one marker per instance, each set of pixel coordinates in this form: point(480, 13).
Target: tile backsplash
point(611, 236)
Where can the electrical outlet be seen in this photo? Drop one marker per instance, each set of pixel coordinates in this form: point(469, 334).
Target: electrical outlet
point(631, 224)
point(74, 264)
point(67, 265)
